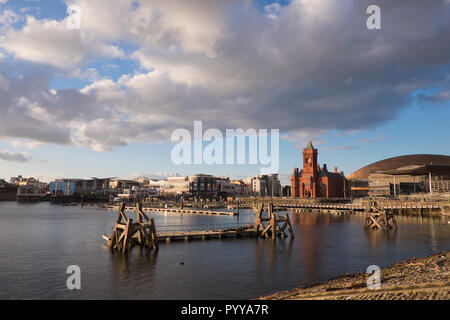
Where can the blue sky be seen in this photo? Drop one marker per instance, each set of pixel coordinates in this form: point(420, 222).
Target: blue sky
point(104, 100)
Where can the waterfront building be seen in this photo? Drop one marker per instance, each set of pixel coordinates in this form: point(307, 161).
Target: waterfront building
point(256, 185)
point(173, 185)
point(241, 188)
point(382, 185)
point(21, 181)
point(8, 191)
point(375, 180)
point(29, 189)
point(264, 185)
point(118, 185)
point(429, 178)
point(203, 185)
point(69, 187)
point(63, 186)
point(273, 185)
point(30, 192)
point(16, 180)
point(316, 182)
point(157, 184)
point(224, 187)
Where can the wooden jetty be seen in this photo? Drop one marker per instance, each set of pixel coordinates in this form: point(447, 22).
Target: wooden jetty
point(163, 235)
point(183, 210)
point(144, 232)
point(400, 206)
point(197, 232)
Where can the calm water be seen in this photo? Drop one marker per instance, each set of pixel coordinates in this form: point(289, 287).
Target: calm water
point(39, 241)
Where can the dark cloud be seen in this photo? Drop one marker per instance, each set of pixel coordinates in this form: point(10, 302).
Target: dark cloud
point(14, 157)
point(310, 66)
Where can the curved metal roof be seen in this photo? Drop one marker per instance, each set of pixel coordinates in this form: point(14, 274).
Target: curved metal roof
point(398, 162)
point(440, 170)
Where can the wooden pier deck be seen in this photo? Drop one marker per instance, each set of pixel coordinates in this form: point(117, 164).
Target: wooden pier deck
point(203, 232)
point(335, 205)
point(127, 233)
point(358, 207)
point(181, 210)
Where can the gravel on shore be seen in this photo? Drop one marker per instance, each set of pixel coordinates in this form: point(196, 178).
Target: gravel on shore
point(413, 279)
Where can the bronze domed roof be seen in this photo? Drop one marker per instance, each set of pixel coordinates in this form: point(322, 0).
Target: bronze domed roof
point(398, 162)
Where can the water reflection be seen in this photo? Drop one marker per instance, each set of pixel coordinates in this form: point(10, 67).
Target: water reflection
point(120, 267)
point(377, 239)
point(311, 240)
point(49, 238)
point(131, 268)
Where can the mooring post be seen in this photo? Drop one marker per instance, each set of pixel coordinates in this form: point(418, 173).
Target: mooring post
point(288, 223)
point(122, 237)
point(258, 217)
point(272, 221)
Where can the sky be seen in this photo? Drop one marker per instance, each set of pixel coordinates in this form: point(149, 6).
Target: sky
point(103, 100)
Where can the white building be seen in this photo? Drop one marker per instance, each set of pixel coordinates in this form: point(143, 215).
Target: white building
point(264, 185)
point(173, 185)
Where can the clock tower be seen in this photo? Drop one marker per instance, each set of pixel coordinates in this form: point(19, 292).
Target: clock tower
point(310, 172)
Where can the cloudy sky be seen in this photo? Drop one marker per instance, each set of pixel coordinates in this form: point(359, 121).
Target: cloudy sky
point(103, 100)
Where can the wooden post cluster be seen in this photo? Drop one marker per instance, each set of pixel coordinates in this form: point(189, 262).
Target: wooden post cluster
point(379, 219)
point(122, 237)
point(272, 226)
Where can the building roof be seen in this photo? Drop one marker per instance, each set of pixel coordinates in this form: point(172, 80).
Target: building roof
point(415, 170)
point(398, 162)
point(127, 181)
point(310, 145)
point(323, 173)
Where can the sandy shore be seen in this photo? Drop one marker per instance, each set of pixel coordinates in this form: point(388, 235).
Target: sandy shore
point(414, 279)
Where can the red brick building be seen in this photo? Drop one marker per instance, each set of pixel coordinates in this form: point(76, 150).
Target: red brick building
point(315, 182)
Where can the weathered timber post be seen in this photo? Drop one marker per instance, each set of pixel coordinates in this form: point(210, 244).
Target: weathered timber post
point(122, 237)
point(272, 221)
point(379, 219)
point(270, 226)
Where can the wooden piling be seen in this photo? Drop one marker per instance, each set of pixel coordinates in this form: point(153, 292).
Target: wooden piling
point(125, 229)
point(272, 226)
point(379, 219)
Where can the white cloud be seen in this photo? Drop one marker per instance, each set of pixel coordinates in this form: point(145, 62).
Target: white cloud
point(27, 144)
point(89, 73)
point(306, 68)
point(7, 18)
point(51, 42)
